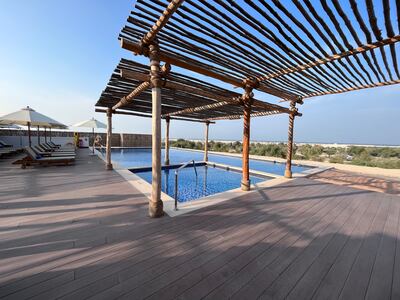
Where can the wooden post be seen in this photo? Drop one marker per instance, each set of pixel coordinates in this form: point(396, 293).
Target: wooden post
point(38, 136)
point(167, 121)
point(45, 135)
point(155, 203)
point(50, 133)
point(247, 102)
point(288, 169)
point(29, 134)
point(94, 137)
point(206, 141)
point(109, 165)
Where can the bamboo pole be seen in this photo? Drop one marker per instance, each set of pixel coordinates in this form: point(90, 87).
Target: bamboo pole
point(206, 141)
point(203, 92)
point(247, 102)
point(353, 52)
point(155, 203)
point(288, 169)
point(172, 59)
point(109, 165)
point(144, 115)
point(167, 121)
point(354, 88)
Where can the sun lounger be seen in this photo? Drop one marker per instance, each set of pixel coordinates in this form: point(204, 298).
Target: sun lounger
point(5, 151)
point(47, 148)
point(39, 151)
point(44, 148)
point(3, 144)
point(59, 148)
point(33, 159)
point(54, 145)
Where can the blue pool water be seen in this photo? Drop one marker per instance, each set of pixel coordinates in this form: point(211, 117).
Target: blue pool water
point(130, 157)
point(209, 181)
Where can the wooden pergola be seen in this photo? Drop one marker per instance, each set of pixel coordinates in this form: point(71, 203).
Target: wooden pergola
point(293, 51)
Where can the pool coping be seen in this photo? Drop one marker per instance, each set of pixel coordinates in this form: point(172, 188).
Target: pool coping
point(183, 208)
point(254, 157)
point(169, 203)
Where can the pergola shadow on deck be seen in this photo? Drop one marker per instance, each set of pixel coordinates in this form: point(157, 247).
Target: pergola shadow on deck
point(292, 51)
point(81, 232)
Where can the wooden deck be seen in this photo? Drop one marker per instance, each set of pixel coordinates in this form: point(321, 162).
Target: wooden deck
point(81, 232)
point(360, 181)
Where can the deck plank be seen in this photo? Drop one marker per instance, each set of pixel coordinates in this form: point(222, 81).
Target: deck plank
point(307, 284)
point(83, 232)
point(381, 278)
point(287, 254)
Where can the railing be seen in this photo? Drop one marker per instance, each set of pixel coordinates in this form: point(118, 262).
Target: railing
point(176, 179)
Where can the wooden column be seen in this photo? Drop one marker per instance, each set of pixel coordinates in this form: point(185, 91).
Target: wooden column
point(45, 135)
point(247, 102)
point(155, 203)
point(93, 137)
point(167, 121)
point(38, 136)
point(50, 133)
point(109, 165)
point(288, 169)
point(206, 141)
point(29, 134)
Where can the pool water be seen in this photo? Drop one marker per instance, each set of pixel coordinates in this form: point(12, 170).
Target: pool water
point(209, 181)
point(141, 157)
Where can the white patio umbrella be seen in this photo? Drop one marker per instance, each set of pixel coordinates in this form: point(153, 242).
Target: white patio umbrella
point(29, 117)
point(91, 123)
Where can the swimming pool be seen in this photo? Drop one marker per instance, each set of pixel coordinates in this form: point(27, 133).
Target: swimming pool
point(208, 181)
point(141, 157)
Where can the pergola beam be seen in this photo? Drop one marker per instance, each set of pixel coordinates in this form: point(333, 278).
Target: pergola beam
point(129, 98)
point(361, 87)
point(199, 108)
point(358, 50)
point(257, 114)
point(209, 94)
point(128, 113)
point(162, 21)
point(172, 59)
point(140, 88)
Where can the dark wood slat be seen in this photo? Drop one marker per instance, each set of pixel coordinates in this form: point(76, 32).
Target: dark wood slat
point(331, 285)
point(85, 233)
point(358, 279)
point(268, 274)
point(122, 268)
point(307, 285)
point(395, 293)
point(381, 278)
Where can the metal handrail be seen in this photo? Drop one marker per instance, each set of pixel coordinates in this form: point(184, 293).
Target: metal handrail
point(176, 179)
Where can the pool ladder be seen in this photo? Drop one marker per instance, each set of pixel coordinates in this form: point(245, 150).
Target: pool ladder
point(176, 179)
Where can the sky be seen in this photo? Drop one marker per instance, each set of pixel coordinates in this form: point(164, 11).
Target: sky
point(57, 56)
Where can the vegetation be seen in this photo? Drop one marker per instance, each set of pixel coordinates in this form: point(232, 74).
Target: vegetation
point(382, 157)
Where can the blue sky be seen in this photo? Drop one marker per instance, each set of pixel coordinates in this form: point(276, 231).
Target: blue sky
point(57, 56)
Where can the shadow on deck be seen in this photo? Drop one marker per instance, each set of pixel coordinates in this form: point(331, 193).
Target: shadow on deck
point(80, 232)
